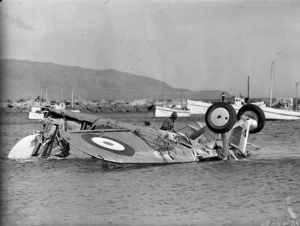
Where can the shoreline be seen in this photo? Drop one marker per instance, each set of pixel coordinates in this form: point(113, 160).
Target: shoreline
point(8, 118)
point(85, 106)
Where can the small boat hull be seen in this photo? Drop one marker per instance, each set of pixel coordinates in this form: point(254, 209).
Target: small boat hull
point(280, 114)
point(36, 116)
point(200, 107)
point(37, 113)
point(161, 111)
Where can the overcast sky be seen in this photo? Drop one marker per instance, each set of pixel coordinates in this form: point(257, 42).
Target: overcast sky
point(193, 44)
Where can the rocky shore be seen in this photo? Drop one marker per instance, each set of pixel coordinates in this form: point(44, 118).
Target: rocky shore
point(85, 106)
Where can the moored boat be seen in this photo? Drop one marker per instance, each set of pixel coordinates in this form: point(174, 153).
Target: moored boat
point(271, 113)
point(58, 105)
point(200, 107)
point(38, 112)
point(163, 111)
point(38, 115)
point(282, 108)
point(280, 114)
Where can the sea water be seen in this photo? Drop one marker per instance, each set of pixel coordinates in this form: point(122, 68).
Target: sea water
point(261, 190)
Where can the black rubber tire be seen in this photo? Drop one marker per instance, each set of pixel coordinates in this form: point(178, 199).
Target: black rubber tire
point(254, 112)
point(213, 117)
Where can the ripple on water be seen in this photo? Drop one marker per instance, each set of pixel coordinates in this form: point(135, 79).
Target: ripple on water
point(80, 192)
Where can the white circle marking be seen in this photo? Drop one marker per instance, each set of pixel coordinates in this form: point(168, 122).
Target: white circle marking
point(220, 116)
point(107, 143)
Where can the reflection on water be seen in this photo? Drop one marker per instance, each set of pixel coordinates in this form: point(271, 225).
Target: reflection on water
point(261, 190)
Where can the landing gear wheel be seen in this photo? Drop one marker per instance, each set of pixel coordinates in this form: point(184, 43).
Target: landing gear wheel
point(220, 117)
point(254, 112)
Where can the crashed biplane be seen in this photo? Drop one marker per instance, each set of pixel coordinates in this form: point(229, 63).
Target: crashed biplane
point(67, 134)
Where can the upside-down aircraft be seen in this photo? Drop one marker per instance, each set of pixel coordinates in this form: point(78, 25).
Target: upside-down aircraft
point(67, 134)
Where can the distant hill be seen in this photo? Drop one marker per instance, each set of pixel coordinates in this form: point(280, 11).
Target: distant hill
point(24, 79)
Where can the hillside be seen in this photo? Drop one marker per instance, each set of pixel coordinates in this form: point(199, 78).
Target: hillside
point(24, 79)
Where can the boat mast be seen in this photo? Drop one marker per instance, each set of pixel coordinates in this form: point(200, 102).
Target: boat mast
point(297, 82)
point(41, 90)
point(62, 95)
point(248, 89)
point(163, 92)
point(46, 94)
point(72, 99)
point(181, 98)
point(271, 84)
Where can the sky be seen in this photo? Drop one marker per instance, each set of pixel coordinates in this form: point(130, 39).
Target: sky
point(190, 44)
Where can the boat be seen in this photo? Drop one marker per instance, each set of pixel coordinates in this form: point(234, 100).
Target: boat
point(37, 114)
point(280, 114)
point(200, 107)
point(38, 111)
point(40, 106)
point(77, 135)
point(58, 105)
point(271, 113)
point(282, 108)
point(164, 111)
point(72, 105)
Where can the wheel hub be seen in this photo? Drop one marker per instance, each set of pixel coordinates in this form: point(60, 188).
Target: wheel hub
point(220, 117)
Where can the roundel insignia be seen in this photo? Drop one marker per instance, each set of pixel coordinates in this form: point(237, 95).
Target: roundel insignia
point(109, 144)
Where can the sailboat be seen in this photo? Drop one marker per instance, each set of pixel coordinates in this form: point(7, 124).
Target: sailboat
point(200, 107)
point(39, 109)
point(166, 111)
point(296, 100)
point(284, 113)
point(72, 106)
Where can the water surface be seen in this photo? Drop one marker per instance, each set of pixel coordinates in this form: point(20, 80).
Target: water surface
point(261, 190)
